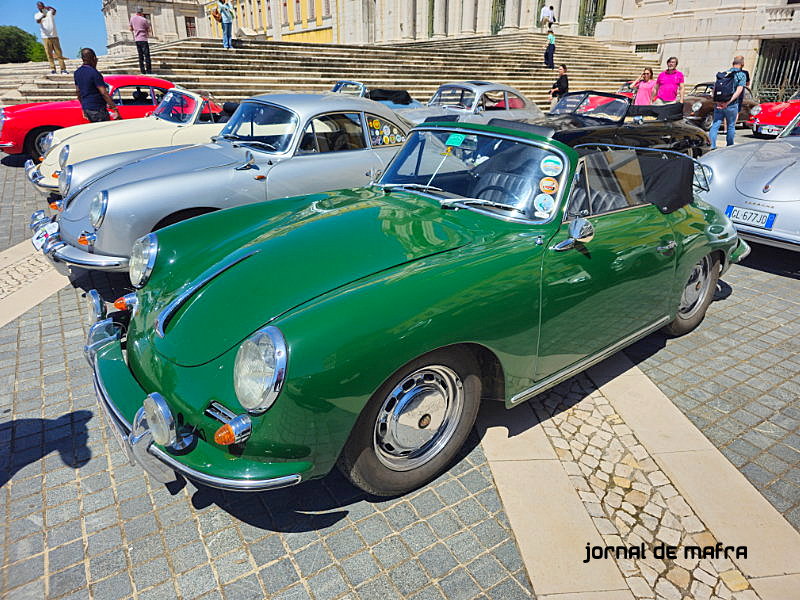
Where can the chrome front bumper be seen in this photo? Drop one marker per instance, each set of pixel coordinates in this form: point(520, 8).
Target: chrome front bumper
point(136, 439)
point(58, 250)
point(37, 180)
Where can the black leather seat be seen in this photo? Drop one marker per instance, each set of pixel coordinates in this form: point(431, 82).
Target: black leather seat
point(603, 202)
point(506, 188)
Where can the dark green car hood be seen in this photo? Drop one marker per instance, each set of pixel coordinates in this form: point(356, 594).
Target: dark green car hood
point(283, 254)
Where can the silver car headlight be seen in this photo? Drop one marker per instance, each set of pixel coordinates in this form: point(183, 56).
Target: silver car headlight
point(47, 143)
point(97, 209)
point(260, 369)
point(755, 110)
point(64, 181)
point(63, 155)
point(160, 421)
point(143, 259)
point(709, 172)
point(697, 106)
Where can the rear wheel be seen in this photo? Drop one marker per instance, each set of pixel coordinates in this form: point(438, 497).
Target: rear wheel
point(697, 295)
point(413, 426)
point(707, 121)
point(34, 142)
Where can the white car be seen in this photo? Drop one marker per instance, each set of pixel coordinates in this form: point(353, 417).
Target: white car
point(181, 118)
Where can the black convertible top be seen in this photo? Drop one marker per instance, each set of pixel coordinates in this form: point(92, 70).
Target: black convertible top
point(663, 112)
point(396, 96)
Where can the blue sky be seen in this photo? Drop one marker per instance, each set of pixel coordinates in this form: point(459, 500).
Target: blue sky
point(80, 23)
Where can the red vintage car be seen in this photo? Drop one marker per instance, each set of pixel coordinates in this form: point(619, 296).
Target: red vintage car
point(627, 89)
point(24, 127)
point(769, 118)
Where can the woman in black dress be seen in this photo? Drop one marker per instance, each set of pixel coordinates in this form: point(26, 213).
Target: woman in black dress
point(560, 87)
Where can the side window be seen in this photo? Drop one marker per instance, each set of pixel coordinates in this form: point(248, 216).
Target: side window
point(614, 180)
point(133, 95)
point(578, 205)
point(383, 132)
point(493, 101)
point(158, 94)
point(515, 101)
point(333, 133)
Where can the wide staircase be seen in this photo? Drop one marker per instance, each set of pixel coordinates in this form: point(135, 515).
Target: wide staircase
point(256, 67)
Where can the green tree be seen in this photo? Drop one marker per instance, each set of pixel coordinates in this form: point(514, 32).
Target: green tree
point(17, 45)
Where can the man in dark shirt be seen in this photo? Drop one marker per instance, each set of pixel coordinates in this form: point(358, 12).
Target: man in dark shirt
point(91, 89)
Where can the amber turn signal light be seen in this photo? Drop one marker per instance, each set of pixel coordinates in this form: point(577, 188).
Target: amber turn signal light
point(225, 436)
point(126, 302)
point(83, 240)
point(55, 206)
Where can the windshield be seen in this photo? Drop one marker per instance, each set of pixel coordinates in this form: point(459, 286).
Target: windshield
point(702, 89)
point(262, 126)
point(626, 87)
point(596, 106)
point(456, 97)
point(176, 107)
point(485, 172)
point(349, 88)
point(792, 129)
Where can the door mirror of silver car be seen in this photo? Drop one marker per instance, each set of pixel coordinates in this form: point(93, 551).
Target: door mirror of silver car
point(249, 161)
point(581, 231)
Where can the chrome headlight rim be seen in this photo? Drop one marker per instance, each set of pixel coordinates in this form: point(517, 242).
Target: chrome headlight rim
point(697, 106)
point(271, 386)
point(47, 142)
point(160, 421)
point(65, 180)
point(709, 172)
point(63, 156)
point(755, 110)
point(149, 246)
point(98, 208)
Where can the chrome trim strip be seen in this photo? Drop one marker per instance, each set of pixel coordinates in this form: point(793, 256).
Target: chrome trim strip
point(163, 318)
point(768, 240)
point(556, 378)
point(222, 483)
point(6, 144)
point(219, 412)
point(98, 264)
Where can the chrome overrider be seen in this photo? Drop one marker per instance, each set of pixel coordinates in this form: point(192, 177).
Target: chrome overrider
point(137, 438)
point(35, 177)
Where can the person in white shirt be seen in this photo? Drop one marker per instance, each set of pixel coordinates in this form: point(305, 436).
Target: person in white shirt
point(45, 17)
point(547, 17)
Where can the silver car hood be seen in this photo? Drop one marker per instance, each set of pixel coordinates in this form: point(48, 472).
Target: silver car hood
point(418, 115)
point(182, 160)
point(771, 172)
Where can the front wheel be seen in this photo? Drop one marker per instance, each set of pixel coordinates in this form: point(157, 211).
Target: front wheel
point(697, 295)
point(413, 426)
point(707, 121)
point(34, 142)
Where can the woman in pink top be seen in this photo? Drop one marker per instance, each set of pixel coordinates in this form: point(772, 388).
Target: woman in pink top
point(644, 87)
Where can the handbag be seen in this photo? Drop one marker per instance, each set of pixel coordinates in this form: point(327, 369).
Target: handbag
point(216, 15)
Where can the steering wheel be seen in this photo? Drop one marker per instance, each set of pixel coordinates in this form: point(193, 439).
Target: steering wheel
point(501, 189)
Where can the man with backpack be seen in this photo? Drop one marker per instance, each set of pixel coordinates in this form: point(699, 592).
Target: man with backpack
point(728, 95)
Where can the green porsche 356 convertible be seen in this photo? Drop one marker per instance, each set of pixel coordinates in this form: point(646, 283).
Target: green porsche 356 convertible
point(362, 328)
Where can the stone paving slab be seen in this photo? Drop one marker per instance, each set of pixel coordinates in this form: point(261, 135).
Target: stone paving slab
point(18, 200)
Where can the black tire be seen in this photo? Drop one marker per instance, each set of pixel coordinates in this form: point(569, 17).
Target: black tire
point(707, 121)
point(690, 315)
point(34, 140)
point(360, 461)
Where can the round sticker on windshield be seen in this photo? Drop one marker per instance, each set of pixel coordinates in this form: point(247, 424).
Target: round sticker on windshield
point(548, 185)
point(543, 203)
point(387, 130)
point(551, 165)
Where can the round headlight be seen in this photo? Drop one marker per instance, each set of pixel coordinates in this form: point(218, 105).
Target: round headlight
point(47, 143)
point(63, 156)
point(143, 258)
point(259, 370)
point(97, 209)
point(697, 106)
point(64, 181)
point(159, 420)
point(709, 172)
point(755, 110)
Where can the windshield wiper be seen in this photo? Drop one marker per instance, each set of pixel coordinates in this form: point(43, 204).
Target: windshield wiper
point(411, 186)
point(480, 202)
point(259, 143)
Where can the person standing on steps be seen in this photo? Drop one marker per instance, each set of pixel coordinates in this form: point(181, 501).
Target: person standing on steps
point(560, 87)
point(669, 84)
point(226, 12)
point(547, 17)
point(91, 89)
point(45, 17)
point(644, 87)
point(550, 50)
point(140, 27)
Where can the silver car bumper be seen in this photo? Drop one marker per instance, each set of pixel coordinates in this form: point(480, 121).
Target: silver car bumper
point(136, 439)
point(770, 240)
point(37, 180)
point(58, 250)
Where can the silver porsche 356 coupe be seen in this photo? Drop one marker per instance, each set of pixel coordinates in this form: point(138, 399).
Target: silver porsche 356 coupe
point(756, 185)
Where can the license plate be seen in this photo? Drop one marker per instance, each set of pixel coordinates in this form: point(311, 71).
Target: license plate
point(746, 216)
point(40, 237)
point(769, 129)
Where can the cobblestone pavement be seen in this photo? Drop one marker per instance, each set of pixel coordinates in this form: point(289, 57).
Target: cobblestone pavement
point(77, 520)
point(15, 275)
point(736, 376)
point(17, 201)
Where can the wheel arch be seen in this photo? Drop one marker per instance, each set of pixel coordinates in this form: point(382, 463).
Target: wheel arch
point(183, 215)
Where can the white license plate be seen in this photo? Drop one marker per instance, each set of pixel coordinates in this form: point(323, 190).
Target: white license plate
point(40, 237)
point(747, 216)
point(769, 129)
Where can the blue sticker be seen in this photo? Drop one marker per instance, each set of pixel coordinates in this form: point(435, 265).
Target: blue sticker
point(455, 139)
point(544, 203)
point(551, 165)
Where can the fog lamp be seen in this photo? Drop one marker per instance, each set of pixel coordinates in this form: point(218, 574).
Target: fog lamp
point(159, 419)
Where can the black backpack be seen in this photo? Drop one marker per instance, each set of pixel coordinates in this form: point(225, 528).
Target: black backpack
point(725, 86)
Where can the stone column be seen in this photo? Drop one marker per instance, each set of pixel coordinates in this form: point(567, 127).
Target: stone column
point(511, 22)
point(439, 19)
point(567, 14)
point(483, 25)
point(408, 17)
point(468, 17)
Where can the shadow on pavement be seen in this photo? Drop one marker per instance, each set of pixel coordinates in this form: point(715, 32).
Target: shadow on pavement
point(310, 506)
point(773, 260)
point(109, 285)
point(14, 160)
point(30, 440)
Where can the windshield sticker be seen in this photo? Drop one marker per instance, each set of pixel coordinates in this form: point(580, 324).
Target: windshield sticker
point(551, 165)
point(455, 139)
point(543, 203)
point(386, 139)
point(548, 185)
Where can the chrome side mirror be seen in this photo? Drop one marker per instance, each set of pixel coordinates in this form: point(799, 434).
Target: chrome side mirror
point(249, 161)
point(581, 231)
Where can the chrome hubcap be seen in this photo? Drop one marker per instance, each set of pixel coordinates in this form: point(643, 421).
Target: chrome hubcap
point(418, 418)
point(696, 288)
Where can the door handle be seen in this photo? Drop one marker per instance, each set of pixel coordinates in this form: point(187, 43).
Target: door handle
point(669, 247)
